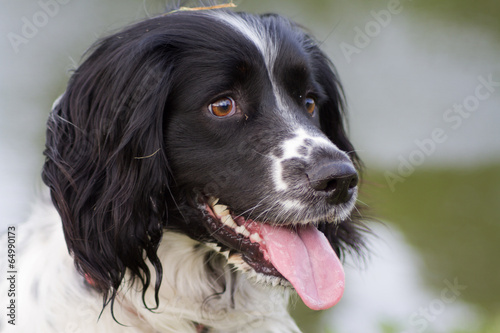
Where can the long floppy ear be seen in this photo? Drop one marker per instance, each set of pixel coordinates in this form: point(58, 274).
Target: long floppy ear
point(345, 236)
point(106, 164)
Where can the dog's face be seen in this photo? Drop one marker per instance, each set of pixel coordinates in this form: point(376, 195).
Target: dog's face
point(227, 127)
point(244, 123)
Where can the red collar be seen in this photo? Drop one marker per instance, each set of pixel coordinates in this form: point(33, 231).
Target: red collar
point(90, 281)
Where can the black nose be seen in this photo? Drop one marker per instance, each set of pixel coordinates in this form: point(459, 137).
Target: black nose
point(336, 179)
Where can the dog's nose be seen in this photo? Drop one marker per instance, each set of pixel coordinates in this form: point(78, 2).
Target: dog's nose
point(336, 179)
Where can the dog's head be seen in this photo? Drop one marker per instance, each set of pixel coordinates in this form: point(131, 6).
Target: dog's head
point(226, 127)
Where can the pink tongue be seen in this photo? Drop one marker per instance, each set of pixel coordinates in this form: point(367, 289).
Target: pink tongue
point(306, 259)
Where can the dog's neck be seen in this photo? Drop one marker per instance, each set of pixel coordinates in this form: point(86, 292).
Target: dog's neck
point(199, 290)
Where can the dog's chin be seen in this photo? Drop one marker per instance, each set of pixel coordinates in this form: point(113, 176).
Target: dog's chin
point(276, 254)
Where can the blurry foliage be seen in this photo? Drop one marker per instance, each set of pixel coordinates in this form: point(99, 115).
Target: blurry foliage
point(481, 13)
point(452, 217)
point(307, 319)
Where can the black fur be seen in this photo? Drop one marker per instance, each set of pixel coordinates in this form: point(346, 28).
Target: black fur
point(128, 146)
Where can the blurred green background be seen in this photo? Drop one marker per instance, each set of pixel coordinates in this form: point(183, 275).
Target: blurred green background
point(409, 68)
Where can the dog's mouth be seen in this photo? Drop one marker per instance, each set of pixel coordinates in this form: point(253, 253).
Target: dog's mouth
point(299, 255)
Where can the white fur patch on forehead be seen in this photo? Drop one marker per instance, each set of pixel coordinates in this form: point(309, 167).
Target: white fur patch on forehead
point(253, 30)
point(300, 146)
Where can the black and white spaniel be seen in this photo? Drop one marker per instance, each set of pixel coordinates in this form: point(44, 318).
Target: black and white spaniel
point(200, 167)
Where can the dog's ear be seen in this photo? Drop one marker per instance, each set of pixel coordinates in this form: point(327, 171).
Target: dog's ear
point(106, 163)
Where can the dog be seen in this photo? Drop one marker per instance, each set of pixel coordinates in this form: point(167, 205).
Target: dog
point(200, 173)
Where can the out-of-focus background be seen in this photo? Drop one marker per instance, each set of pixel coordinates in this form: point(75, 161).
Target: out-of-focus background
point(422, 80)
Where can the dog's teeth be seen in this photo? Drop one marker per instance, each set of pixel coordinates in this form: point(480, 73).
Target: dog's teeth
point(242, 230)
point(225, 254)
point(245, 267)
point(239, 263)
point(255, 238)
point(235, 259)
point(221, 210)
point(213, 246)
point(212, 201)
point(228, 220)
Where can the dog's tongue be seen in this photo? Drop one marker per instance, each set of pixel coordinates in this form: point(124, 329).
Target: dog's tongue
point(306, 259)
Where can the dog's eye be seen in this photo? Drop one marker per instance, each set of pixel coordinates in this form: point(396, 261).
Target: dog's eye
point(223, 107)
point(310, 104)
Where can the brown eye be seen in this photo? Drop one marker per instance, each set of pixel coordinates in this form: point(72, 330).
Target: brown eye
point(310, 104)
point(223, 107)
